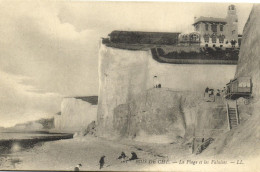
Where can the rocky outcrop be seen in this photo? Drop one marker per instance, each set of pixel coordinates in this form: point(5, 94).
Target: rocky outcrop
point(37, 125)
point(162, 111)
point(156, 111)
point(76, 114)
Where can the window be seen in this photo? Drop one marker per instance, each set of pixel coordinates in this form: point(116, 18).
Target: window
point(244, 84)
point(206, 38)
point(214, 28)
point(214, 39)
point(206, 27)
point(221, 38)
point(197, 27)
point(221, 27)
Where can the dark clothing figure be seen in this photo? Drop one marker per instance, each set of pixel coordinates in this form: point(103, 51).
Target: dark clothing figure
point(159, 86)
point(134, 156)
point(122, 156)
point(77, 167)
point(101, 162)
point(207, 90)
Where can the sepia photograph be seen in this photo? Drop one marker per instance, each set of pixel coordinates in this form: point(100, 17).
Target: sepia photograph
point(129, 86)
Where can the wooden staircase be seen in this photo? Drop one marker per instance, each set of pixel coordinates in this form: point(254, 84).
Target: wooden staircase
point(232, 114)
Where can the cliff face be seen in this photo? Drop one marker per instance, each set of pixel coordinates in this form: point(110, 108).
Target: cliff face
point(41, 124)
point(249, 59)
point(75, 115)
point(125, 76)
point(161, 111)
point(122, 75)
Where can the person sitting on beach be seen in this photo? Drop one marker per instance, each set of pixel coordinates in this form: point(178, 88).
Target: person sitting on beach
point(122, 156)
point(134, 156)
point(206, 91)
point(77, 168)
point(218, 93)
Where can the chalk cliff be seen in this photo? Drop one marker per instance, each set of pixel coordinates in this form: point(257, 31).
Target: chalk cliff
point(249, 59)
point(127, 76)
point(76, 114)
point(162, 111)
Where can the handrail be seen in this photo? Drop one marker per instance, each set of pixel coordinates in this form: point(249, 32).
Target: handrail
point(228, 115)
point(237, 116)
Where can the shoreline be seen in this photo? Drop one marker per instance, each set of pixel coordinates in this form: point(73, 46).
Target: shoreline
point(66, 154)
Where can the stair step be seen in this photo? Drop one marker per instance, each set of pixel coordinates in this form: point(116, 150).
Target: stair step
point(234, 120)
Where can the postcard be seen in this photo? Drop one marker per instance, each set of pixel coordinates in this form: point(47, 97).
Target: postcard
point(129, 86)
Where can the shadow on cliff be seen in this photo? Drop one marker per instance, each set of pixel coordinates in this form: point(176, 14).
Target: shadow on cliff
point(163, 115)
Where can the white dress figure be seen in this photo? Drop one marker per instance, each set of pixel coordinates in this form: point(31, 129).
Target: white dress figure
point(155, 82)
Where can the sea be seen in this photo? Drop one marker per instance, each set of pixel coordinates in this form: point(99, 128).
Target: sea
point(15, 141)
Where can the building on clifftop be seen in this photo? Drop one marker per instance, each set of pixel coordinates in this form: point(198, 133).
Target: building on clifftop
point(218, 32)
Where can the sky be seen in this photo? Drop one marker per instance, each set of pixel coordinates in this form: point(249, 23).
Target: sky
point(49, 49)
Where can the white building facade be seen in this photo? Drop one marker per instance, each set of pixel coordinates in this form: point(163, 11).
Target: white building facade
point(218, 32)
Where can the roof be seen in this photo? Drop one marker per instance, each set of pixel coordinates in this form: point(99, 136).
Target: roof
point(90, 99)
point(141, 32)
point(210, 19)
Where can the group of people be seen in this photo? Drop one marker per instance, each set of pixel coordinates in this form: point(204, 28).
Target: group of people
point(122, 157)
point(156, 83)
point(211, 93)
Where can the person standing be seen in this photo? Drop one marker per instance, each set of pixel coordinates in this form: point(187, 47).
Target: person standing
point(101, 162)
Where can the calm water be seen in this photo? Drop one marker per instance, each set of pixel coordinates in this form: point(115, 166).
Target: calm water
point(17, 141)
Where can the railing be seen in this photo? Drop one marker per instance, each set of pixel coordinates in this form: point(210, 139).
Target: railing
point(237, 115)
point(228, 115)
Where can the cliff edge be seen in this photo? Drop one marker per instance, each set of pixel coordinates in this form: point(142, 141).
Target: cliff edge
point(249, 59)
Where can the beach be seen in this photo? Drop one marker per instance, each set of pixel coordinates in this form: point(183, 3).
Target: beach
point(66, 154)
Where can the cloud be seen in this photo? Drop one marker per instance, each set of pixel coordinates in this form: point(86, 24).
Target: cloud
point(42, 60)
point(53, 54)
